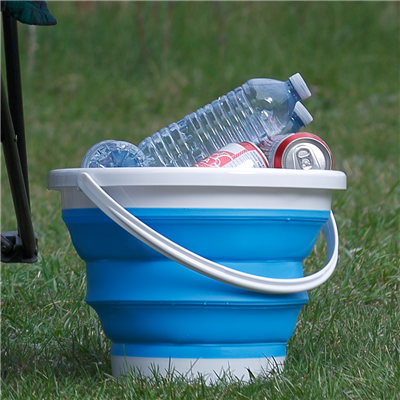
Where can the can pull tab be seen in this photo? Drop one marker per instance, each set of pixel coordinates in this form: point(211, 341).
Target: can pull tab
point(306, 159)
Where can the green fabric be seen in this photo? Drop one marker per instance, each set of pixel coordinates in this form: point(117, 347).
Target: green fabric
point(29, 12)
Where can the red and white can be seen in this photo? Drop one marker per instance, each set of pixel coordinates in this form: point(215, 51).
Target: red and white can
point(235, 155)
point(299, 150)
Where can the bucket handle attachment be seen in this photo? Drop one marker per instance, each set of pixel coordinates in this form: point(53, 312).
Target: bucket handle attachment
point(202, 265)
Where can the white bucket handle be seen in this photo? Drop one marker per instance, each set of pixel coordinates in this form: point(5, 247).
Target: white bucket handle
point(202, 265)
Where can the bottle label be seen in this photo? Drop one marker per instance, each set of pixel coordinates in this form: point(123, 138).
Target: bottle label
point(235, 155)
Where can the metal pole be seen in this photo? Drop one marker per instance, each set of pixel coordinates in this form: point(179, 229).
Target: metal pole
point(17, 184)
point(14, 89)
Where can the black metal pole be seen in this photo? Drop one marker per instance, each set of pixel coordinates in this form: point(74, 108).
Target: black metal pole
point(17, 183)
point(14, 89)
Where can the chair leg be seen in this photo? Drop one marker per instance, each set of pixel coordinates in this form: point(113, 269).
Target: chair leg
point(21, 245)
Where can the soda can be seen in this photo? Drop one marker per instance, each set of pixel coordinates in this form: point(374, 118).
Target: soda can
point(235, 155)
point(299, 150)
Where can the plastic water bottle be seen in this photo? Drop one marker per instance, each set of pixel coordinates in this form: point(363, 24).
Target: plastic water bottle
point(114, 153)
point(300, 117)
point(259, 109)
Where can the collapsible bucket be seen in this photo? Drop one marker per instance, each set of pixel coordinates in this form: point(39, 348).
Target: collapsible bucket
point(198, 271)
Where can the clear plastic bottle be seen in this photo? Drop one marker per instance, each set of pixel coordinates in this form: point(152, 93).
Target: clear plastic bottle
point(300, 117)
point(112, 154)
point(258, 109)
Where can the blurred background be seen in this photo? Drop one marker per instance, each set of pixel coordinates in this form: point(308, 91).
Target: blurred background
point(124, 70)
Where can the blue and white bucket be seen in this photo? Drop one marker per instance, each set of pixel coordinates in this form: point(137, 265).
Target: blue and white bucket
point(198, 271)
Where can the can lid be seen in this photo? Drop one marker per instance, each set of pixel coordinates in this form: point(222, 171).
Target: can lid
point(303, 151)
point(300, 86)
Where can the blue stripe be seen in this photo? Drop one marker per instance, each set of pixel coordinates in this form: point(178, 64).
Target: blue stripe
point(200, 351)
point(155, 213)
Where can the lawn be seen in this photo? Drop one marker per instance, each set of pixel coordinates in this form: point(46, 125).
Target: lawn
point(124, 70)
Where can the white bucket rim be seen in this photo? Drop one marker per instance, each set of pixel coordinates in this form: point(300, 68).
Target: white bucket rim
point(198, 177)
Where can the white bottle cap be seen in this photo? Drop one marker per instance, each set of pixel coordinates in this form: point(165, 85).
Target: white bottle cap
point(303, 113)
point(300, 86)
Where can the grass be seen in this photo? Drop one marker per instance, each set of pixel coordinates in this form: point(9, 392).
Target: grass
point(126, 69)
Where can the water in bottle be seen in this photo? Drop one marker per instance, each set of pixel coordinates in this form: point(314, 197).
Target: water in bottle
point(259, 109)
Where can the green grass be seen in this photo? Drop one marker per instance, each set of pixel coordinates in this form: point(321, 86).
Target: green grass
point(95, 77)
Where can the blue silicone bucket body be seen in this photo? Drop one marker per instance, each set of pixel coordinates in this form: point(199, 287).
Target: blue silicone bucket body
point(161, 315)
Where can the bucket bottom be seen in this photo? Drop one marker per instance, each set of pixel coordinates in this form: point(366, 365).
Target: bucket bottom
point(270, 360)
point(210, 369)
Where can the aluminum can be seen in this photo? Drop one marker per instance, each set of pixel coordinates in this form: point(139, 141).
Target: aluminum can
point(235, 155)
point(299, 150)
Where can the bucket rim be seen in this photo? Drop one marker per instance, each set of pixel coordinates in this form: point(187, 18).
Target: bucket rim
point(233, 177)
